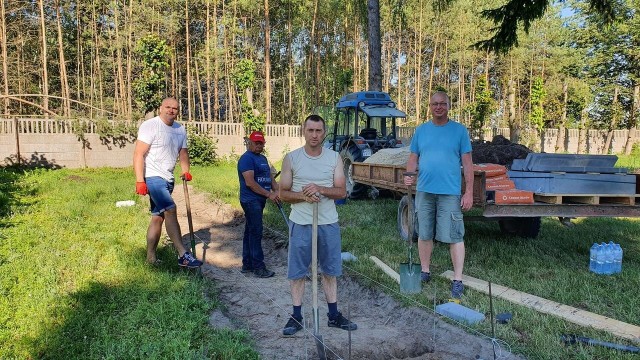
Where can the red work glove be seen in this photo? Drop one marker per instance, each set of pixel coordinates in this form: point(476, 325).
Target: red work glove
point(141, 188)
point(186, 176)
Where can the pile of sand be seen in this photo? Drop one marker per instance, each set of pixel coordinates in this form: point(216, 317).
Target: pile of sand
point(392, 156)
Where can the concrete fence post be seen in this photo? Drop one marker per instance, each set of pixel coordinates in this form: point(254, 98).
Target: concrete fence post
point(17, 134)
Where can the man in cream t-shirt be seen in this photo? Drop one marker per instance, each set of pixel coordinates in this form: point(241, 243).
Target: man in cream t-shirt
point(313, 174)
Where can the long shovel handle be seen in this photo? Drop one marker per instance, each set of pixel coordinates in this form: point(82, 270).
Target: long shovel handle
point(314, 267)
point(314, 284)
point(189, 220)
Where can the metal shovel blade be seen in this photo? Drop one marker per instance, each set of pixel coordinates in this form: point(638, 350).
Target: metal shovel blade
point(410, 281)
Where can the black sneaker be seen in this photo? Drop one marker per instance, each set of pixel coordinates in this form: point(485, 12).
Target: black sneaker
point(457, 289)
point(187, 260)
point(246, 269)
point(341, 322)
point(263, 273)
point(425, 276)
point(293, 326)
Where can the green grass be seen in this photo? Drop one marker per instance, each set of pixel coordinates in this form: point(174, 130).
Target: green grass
point(73, 280)
point(553, 266)
point(74, 285)
point(632, 162)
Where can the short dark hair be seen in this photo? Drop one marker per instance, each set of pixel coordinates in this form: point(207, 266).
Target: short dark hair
point(315, 118)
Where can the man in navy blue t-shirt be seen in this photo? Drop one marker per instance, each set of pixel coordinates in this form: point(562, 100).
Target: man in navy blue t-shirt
point(256, 186)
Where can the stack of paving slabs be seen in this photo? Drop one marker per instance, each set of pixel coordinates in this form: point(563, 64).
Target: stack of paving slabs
point(571, 174)
point(500, 187)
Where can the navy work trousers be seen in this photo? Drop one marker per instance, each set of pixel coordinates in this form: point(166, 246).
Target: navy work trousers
point(252, 255)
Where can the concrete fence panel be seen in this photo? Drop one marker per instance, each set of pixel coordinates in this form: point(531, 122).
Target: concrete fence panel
point(54, 142)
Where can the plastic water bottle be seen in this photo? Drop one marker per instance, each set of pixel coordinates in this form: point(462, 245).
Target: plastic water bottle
point(600, 259)
point(609, 259)
point(125, 203)
point(593, 252)
point(617, 258)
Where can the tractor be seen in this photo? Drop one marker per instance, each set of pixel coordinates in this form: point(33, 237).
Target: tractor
point(365, 122)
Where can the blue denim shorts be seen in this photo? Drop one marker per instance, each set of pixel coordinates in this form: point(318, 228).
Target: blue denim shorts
point(160, 191)
point(439, 217)
point(329, 250)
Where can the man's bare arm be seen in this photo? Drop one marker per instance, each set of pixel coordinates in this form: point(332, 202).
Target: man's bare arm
point(139, 152)
point(467, 168)
point(184, 160)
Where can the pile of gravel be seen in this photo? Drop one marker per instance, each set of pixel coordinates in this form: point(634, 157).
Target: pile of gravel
point(391, 156)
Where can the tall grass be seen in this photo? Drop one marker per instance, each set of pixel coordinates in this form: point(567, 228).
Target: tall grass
point(74, 282)
point(553, 266)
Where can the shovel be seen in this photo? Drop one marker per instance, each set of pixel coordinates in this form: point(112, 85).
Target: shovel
point(186, 200)
point(410, 281)
point(286, 221)
point(314, 284)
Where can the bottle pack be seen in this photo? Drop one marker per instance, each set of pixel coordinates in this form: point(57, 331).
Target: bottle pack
point(605, 258)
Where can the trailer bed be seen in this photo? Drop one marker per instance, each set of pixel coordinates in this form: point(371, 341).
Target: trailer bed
point(390, 177)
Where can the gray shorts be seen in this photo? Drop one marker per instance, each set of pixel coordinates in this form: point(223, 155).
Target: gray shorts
point(329, 250)
point(439, 217)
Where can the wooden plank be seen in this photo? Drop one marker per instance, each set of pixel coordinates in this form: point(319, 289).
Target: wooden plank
point(389, 271)
point(588, 199)
point(571, 314)
point(548, 199)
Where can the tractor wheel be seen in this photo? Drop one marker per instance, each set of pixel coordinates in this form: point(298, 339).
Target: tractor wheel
point(354, 190)
point(403, 220)
point(523, 227)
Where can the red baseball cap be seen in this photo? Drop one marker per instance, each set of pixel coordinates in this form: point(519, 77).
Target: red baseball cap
point(257, 136)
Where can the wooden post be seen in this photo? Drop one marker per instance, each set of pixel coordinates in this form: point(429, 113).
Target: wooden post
point(15, 131)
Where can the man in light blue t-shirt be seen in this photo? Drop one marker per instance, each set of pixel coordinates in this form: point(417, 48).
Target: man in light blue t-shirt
point(438, 149)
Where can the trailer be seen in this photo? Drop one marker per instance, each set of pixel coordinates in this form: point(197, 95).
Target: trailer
point(515, 219)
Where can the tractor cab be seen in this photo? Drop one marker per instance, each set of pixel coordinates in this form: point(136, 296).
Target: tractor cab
point(365, 122)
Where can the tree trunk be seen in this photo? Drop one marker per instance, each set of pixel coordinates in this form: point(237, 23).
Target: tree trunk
point(613, 123)
point(3, 45)
point(290, 65)
point(375, 53)
point(199, 89)
point(207, 64)
point(216, 67)
point(560, 142)
point(130, 50)
point(188, 53)
point(514, 129)
point(64, 82)
point(399, 61)
point(267, 61)
point(418, 69)
point(45, 75)
point(432, 69)
point(633, 121)
point(582, 134)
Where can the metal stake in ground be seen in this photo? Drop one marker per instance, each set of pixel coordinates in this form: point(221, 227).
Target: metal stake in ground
point(186, 200)
point(314, 284)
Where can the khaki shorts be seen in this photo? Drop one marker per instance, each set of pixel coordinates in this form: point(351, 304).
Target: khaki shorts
point(439, 217)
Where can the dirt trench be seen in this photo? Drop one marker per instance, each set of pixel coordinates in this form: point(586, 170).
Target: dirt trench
point(386, 330)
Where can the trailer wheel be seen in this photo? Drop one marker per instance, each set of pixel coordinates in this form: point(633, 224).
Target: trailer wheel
point(403, 220)
point(354, 190)
point(523, 227)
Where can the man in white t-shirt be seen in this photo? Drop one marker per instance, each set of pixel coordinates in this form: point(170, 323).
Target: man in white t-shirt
point(160, 142)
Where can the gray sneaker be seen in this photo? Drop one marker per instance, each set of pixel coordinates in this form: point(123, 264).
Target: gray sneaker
point(425, 276)
point(457, 289)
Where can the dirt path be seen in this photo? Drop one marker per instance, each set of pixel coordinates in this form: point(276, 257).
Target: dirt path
point(386, 330)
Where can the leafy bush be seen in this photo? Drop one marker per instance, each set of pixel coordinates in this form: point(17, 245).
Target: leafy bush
point(202, 148)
